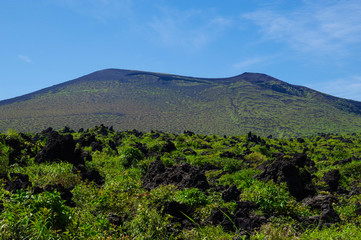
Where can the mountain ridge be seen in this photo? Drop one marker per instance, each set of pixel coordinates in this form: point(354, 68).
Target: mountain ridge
point(143, 100)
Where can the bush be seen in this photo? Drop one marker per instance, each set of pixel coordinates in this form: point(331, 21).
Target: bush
point(192, 196)
point(242, 178)
point(27, 216)
point(255, 158)
point(130, 156)
point(270, 197)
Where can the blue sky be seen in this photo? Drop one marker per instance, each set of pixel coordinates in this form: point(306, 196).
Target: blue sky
point(311, 43)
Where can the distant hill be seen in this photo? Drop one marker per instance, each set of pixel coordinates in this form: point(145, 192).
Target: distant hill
point(147, 101)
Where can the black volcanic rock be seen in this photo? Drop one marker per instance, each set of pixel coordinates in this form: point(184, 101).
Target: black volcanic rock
point(182, 175)
point(89, 174)
point(284, 170)
point(332, 178)
point(242, 219)
point(18, 181)
point(60, 148)
point(231, 194)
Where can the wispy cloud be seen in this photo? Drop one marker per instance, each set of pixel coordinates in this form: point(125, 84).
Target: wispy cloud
point(251, 62)
point(325, 29)
point(192, 29)
point(25, 58)
point(349, 88)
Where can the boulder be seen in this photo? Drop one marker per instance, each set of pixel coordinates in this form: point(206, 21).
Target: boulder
point(60, 148)
point(332, 178)
point(183, 176)
point(299, 183)
point(231, 194)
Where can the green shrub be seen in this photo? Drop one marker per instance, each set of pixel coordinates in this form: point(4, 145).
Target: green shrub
point(255, 158)
point(242, 178)
point(52, 173)
point(232, 165)
point(40, 216)
point(192, 196)
point(348, 231)
point(269, 196)
point(130, 156)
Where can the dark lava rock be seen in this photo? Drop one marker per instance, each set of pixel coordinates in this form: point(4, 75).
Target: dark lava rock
point(209, 166)
point(15, 149)
point(86, 139)
point(242, 219)
point(67, 129)
point(328, 217)
point(231, 194)
point(113, 146)
point(168, 147)
point(183, 176)
point(103, 130)
point(86, 156)
point(354, 190)
point(96, 146)
point(287, 170)
point(219, 217)
point(181, 213)
point(178, 210)
point(47, 131)
point(115, 219)
point(65, 193)
point(93, 175)
point(332, 178)
point(37, 190)
point(60, 148)
point(19, 181)
point(143, 148)
point(320, 201)
point(90, 175)
point(301, 160)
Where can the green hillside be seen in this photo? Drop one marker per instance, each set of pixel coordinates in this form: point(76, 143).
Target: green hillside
point(152, 101)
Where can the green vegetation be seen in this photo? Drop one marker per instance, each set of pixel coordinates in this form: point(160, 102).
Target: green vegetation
point(248, 191)
point(147, 101)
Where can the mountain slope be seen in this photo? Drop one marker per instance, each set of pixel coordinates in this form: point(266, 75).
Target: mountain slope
point(154, 101)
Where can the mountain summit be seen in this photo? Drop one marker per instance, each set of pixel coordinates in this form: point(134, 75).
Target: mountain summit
point(127, 99)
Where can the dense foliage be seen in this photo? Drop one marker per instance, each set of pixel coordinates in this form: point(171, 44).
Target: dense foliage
point(147, 101)
point(104, 184)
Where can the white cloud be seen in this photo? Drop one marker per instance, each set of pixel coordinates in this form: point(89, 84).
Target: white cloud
point(250, 62)
point(325, 29)
point(25, 58)
point(349, 88)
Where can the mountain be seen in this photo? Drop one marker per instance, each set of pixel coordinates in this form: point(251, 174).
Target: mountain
point(145, 101)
